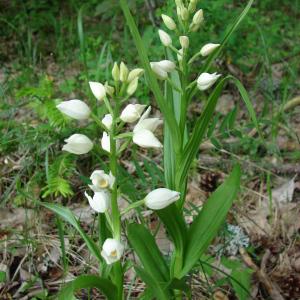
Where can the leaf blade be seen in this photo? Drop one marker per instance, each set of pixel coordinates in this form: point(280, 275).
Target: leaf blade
point(88, 281)
point(211, 217)
point(69, 217)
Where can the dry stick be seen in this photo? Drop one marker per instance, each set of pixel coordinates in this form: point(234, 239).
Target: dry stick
point(272, 289)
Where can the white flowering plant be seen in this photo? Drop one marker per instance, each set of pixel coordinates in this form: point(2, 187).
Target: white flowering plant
point(126, 123)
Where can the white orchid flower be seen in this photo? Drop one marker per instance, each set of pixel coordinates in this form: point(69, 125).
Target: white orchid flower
point(161, 198)
point(132, 112)
point(101, 181)
point(78, 144)
point(75, 109)
point(112, 250)
point(143, 131)
point(162, 68)
point(100, 202)
point(206, 80)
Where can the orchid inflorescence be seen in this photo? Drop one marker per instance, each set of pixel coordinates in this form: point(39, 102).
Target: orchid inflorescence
point(103, 185)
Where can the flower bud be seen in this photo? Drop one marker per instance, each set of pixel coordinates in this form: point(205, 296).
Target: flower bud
point(180, 55)
point(146, 139)
point(198, 17)
point(206, 80)
point(107, 121)
point(78, 144)
point(184, 41)
point(115, 72)
point(208, 49)
point(192, 6)
point(194, 27)
point(169, 22)
point(164, 38)
point(135, 73)
point(101, 181)
point(75, 109)
point(184, 13)
point(109, 89)
point(112, 250)
point(132, 112)
point(98, 90)
point(132, 86)
point(161, 198)
point(123, 72)
point(100, 201)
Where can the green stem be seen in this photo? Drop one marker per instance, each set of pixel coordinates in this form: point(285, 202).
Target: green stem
point(115, 213)
point(132, 206)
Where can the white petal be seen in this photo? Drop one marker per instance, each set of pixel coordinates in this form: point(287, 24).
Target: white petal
point(164, 38)
point(166, 65)
point(146, 139)
point(158, 70)
point(107, 121)
point(112, 250)
point(105, 142)
point(206, 80)
point(135, 73)
point(78, 144)
point(208, 49)
point(97, 89)
point(161, 198)
point(75, 109)
point(100, 201)
point(132, 112)
point(149, 124)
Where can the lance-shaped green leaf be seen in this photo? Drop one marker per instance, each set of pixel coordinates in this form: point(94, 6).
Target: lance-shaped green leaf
point(143, 243)
point(174, 222)
point(156, 290)
point(69, 217)
point(207, 224)
point(86, 282)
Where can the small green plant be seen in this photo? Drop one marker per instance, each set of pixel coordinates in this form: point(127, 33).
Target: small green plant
point(171, 84)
